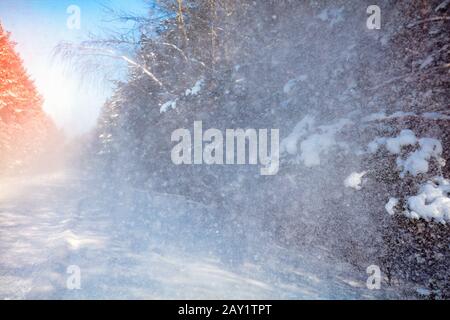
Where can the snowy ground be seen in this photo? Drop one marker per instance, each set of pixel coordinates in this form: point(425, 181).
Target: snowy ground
point(48, 222)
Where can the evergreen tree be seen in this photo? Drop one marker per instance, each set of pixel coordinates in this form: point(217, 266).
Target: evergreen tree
point(24, 127)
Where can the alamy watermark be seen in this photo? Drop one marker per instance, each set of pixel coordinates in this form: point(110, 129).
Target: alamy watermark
point(74, 279)
point(208, 147)
point(374, 280)
point(74, 20)
point(374, 19)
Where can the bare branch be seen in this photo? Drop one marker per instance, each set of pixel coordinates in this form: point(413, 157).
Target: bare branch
point(84, 49)
point(413, 24)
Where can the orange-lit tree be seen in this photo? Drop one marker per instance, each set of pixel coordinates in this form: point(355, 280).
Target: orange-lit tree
point(24, 127)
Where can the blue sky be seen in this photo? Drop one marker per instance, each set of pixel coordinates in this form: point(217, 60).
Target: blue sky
point(37, 26)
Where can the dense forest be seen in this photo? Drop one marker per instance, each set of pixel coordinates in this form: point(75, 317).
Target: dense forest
point(363, 117)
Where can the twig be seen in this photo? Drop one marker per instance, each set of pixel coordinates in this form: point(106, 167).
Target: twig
point(176, 48)
point(401, 77)
point(110, 53)
point(413, 24)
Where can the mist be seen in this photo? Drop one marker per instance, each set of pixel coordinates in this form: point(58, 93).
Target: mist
point(360, 181)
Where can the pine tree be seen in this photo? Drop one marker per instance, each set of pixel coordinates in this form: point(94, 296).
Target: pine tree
point(24, 127)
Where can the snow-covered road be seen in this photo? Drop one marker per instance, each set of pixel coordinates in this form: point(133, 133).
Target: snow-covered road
point(49, 222)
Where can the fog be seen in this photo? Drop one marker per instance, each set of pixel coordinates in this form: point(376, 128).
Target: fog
point(360, 183)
